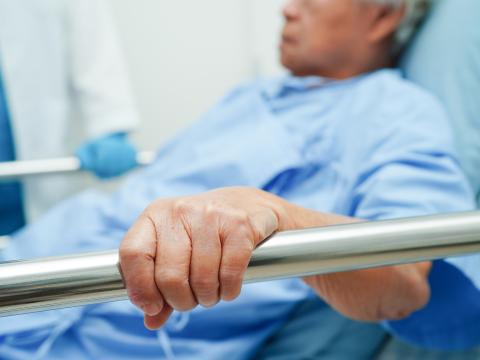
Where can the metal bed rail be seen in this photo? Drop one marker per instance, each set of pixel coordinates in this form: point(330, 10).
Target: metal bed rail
point(15, 170)
point(27, 286)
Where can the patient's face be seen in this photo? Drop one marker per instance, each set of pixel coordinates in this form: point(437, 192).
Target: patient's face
point(321, 36)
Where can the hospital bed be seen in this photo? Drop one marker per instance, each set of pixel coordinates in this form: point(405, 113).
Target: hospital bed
point(16, 170)
point(444, 58)
point(56, 282)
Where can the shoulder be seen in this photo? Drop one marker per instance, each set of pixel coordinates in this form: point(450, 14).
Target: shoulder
point(391, 92)
point(400, 109)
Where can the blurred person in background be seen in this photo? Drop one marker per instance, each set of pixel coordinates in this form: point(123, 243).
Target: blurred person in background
point(63, 90)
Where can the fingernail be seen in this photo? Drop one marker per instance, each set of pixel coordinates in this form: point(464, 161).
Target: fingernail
point(209, 304)
point(151, 309)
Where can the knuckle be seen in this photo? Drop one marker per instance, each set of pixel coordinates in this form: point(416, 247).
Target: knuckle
point(130, 253)
point(243, 218)
point(242, 225)
point(170, 279)
point(243, 249)
point(238, 217)
point(137, 296)
point(231, 275)
point(212, 211)
point(182, 307)
point(182, 207)
point(153, 210)
point(205, 286)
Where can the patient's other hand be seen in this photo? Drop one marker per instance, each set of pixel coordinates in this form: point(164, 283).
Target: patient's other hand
point(194, 250)
point(388, 293)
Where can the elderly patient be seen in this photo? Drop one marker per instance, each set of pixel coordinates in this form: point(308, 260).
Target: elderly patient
point(342, 134)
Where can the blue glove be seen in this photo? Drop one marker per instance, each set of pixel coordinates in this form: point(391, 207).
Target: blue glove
point(108, 156)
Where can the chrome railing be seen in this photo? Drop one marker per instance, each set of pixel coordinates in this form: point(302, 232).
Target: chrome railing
point(27, 286)
point(15, 170)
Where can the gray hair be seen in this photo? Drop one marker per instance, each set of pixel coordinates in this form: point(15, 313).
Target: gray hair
point(415, 11)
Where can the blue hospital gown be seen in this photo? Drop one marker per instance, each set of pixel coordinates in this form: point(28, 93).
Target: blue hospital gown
point(373, 147)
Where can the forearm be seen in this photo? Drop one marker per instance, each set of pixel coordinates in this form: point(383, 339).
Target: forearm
point(387, 293)
point(215, 234)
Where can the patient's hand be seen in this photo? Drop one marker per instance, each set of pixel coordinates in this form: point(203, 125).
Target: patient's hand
point(194, 250)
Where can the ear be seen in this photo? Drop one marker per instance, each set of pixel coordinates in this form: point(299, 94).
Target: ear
point(385, 20)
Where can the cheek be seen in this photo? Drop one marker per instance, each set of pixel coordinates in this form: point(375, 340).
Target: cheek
point(329, 27)
point(329, 38)
point(317, 34)
point(319, 44)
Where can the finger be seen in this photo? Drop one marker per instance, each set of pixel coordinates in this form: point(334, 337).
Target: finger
point(424, 268)
point(137, 262)
point(173, 265)
point(239, 242)
point(264, 224)
point(237, 250)
point(155, 322)
point(205, 262)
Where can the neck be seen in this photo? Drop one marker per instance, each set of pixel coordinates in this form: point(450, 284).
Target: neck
point(376, 59)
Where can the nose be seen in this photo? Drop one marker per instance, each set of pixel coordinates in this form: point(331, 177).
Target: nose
point(291, 10)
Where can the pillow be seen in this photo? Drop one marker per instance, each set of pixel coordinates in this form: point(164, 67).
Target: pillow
point(444, 58)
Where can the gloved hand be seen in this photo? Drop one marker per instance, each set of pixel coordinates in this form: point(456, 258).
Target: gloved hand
point(108, 156)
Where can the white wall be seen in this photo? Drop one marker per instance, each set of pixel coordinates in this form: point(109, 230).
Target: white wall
point(183, 55)
point(266, 22)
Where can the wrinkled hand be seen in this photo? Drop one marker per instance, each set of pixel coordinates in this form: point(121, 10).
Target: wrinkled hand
point(194, 250)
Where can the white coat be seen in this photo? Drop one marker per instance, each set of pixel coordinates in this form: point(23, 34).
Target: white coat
point(64, 81)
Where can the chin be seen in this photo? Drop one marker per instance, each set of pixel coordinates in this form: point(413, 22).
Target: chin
point(287, 62)
point(291, 63)
point(293, 68)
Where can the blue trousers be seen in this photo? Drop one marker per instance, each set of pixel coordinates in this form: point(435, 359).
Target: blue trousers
point(315, 331)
